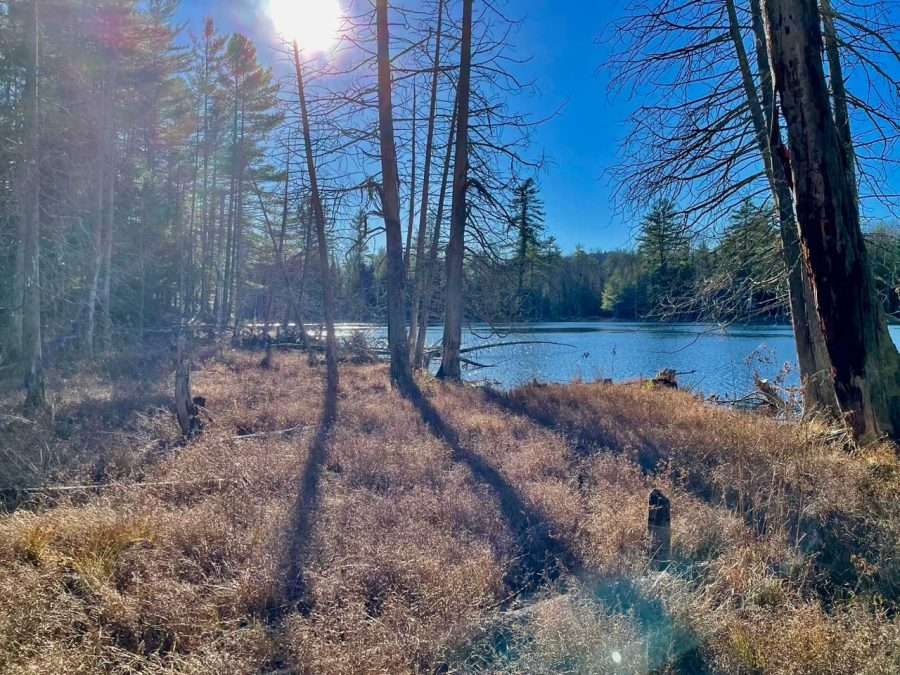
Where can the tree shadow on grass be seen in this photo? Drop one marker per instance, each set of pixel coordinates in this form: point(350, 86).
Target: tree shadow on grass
point(294, 594)
point(833, 543)
point(542, 557)
point(671, 647)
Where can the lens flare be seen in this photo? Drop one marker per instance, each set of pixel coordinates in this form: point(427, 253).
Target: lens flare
point(314, 24)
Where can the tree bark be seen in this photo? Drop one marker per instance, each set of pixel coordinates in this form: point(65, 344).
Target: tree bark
point(426, 189)
point(390, 198)
point(36, 398)
point(866, 365)
point(453, 313)
point(318, 213)
point(812, 357)
point(839, 93)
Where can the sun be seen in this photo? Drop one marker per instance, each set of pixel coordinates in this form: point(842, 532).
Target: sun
point(314, 24)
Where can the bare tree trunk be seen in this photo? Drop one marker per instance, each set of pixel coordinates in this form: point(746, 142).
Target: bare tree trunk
point(14, 343)
point(97, 235)
point(866, 365)
point(36, 398)
point(411, 219)
point(419, 282)
point(819, 395)
point(304, 273)
point(390, 198)
point(432, 266)
point(238, 263)
point(221, 238)
point(318, 212)
point(453, 313)
point(106, 294)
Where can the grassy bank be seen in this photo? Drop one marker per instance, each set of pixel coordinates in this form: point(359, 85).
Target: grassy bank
point(461, 531)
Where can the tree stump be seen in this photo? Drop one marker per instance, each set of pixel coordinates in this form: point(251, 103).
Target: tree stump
point(268, 362)
point(659, 526)
point(185, 408)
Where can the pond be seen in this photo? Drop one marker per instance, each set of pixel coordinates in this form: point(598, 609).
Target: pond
point(711, 359)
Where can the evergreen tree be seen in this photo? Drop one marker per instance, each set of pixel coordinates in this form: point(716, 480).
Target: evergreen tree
point(664, 250)
point(528, 218)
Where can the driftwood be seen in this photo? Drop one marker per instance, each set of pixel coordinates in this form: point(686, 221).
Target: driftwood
point(769, 394)
point(667, 378)
point(659, 527)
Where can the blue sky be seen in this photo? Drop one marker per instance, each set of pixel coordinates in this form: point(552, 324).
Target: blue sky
point(579, 143)
point(560, 38)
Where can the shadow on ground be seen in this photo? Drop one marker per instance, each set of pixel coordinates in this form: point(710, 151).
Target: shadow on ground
point(295, 592)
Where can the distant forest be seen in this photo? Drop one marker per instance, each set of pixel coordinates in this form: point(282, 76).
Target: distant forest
point(673, 273)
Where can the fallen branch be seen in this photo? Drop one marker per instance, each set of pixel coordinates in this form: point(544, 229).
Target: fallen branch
point(244, 437)
point(16, 418)
point(104, 486)
point(475, 364)
point(469, 350)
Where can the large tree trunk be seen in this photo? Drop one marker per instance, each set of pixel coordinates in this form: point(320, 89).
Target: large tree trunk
point(815, 366)
point(390, 198)
point(866, 365)
point(418, 285)
point(453, 313)
point(318, 213)
point(36, 398)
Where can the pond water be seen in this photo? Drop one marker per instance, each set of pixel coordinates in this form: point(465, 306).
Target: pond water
point(713, 360)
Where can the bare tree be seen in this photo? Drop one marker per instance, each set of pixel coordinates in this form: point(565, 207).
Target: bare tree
point(318, 217)
point(390, 199)
point(815, 367)
point(866, 364)
point(453, 312)
point(421, 263)
point(31, 202)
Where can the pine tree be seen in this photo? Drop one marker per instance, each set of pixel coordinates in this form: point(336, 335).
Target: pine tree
point(527, 210)
point(664, 249)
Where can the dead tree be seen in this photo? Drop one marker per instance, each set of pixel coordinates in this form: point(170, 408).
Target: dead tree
point(421, 263)
point(36, 398)
point(185, 408)
point(390, 198)
point(815, 366)
point(453, 310)
point(866, 364)
point(318, 213)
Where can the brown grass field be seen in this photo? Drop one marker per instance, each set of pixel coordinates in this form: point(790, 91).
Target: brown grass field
point(462, 531)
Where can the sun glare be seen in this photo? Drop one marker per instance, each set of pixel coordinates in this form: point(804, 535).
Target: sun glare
point(313, 24)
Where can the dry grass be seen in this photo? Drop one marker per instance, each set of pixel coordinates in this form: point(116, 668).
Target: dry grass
point(412, 552)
